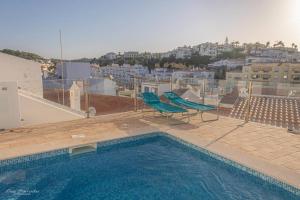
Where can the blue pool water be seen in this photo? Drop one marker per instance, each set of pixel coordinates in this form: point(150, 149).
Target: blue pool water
point(155, 167)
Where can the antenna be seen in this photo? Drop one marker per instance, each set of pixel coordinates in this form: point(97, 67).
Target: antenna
point(62, 68)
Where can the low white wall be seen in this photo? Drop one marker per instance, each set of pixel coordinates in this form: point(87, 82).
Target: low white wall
point(9, 105)
point(38, 111)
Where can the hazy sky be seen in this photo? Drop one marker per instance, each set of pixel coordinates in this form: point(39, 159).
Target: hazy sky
point(93, 27)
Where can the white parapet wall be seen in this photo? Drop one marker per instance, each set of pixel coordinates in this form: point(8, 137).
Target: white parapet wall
point(26, 73)
point(9, 105)
point(35, 110)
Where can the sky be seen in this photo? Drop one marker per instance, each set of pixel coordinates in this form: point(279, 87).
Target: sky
point(91, 28)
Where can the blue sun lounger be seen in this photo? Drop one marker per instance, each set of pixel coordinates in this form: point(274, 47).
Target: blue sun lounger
point(177, 100)
point(153, 101)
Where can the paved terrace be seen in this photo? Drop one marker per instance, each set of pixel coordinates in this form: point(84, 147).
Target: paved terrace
point(268, 149)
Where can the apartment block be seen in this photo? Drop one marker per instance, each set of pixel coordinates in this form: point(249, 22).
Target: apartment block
point(274, 72)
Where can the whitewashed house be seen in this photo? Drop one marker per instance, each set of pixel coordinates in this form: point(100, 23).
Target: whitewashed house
point(274, 54)
point(131, 54)
point(182, 52)
point(73, 70)
point(124, 74)
point(166, 54)
point(21, 95)
point(110, 56)
point(26, 73)
point(207, 49)
point(103, 86)
point(229, 63)
point(156, 87)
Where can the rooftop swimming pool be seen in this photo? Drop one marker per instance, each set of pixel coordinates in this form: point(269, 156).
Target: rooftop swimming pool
point(150, 166)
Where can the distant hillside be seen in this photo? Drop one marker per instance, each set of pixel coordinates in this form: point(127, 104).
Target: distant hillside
point(23, 54)
point(85, 60)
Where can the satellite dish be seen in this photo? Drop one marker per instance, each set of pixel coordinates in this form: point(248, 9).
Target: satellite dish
point(92, 111)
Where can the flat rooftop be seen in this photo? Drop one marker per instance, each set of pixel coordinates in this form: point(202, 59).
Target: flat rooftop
point(266, 148)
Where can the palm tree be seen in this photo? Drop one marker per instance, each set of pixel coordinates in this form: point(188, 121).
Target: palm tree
point(294, 46)
point(279, 43)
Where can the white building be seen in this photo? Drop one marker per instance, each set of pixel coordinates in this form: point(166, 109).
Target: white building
point(260, 59)
point(110, 56)
point(131, 54)
point(193, 75)
point(296, 57)
point(124, 74)
point(275, 54)
point(166, 54)
point(159, 74)
point(207, 49)
point(229, 63)
point(26, 73)
point(156, 87)
point(182, 52)
point(232, 77)
point(103, 86)
point(155, 55)
point(149, 55)
point(213, 49)
point(9, 105)
point(74, 70)
point(21, 96)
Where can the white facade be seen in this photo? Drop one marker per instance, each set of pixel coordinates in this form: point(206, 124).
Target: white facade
point(159, 74)
point(276, 54)
point(213, 49)
point(182, 52)
point(110, 56)
point(229, 63)
point(260, 59)
point(131, 54)
point(26, 73)
point(296, 57)
point(225, 48)
point(103, 86)
point(9, 105)
point(123, 74)
point(166, 54)
point(157, 88)
point(193, 75)
point(207, 49)
point(232, 77)
point(21, 95)
point(74, 70)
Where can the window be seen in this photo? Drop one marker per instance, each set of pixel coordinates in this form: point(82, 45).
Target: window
point(266, 76)
point(296, 77)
